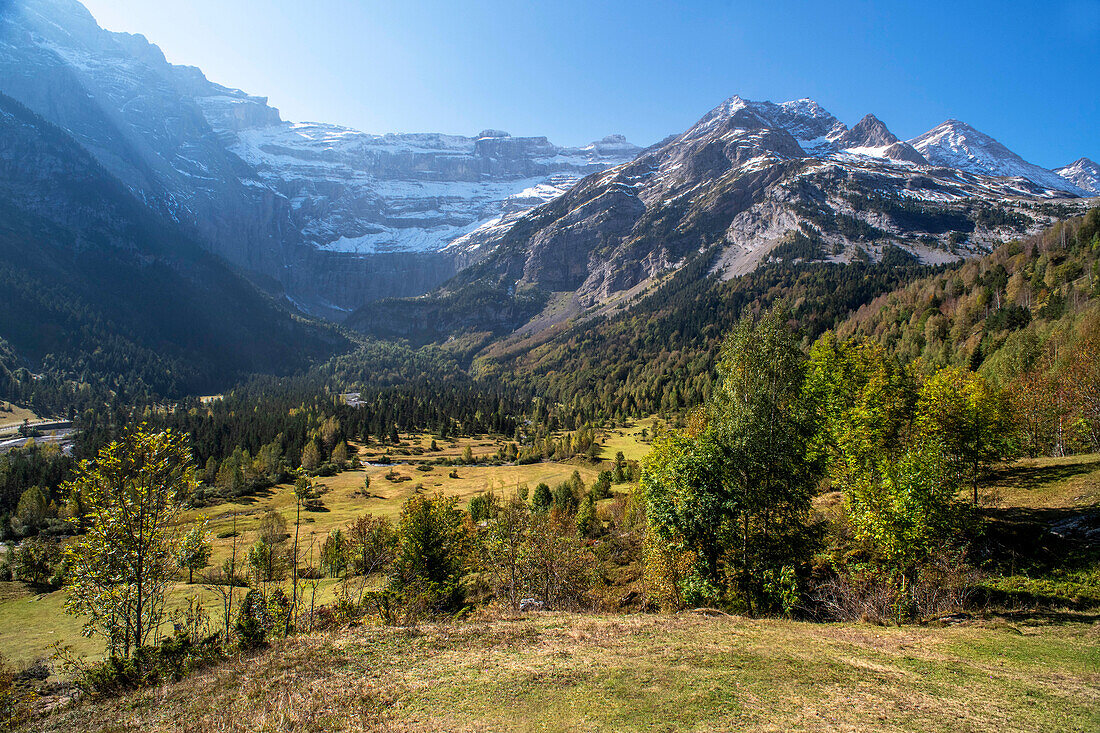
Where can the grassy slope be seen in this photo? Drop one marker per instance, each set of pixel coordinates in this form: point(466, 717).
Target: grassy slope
point(569, 672)
point(1060, 567)
point(1035, 671)
point(31, 622)
point(12, 416)
point(1047, 483)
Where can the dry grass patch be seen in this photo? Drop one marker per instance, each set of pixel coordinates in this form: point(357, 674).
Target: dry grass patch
point(628, 440)
point(569, 672)
point(1047, 483)
point(344, 499)
point(12, 416)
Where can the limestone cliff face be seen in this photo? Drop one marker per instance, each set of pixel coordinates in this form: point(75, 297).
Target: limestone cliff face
point(360, 193)
point(328, 216)
point(97, 284)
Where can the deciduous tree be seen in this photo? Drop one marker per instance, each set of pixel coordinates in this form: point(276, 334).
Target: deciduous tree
point(968, 419)
point(195, 549)
point(737, 493)
point(121, 567)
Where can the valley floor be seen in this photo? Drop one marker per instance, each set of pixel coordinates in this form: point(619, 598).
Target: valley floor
point(684, 672)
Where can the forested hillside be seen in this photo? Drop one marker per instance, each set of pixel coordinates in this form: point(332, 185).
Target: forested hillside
point(104, 301)
point(1012, 296)
point(1027, 317)
point(658, 356)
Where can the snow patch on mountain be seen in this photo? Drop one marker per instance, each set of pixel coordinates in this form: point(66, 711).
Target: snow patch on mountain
point(1083, 173)
point(955, 144)
point(358, 192)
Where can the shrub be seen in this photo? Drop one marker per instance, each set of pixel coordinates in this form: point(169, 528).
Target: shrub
point(15, 699)
point(171, 660)
point(558, 569)
point(483, 506)
point(858, 596)
point(250, 627)
point(36, 560)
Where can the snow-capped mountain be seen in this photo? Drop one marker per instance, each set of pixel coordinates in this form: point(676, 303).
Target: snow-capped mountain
point(1083, 173)
point(332, 217)
point(355, 192)
point(871, 137)
point(750, 181)
point(955, 144)
point(302, 207)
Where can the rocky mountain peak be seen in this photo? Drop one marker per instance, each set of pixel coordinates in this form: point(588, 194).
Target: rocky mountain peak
point(804, 120)
point(870, 132)
point(955, 144)
point(1084, 173)
point(871, 137)
point(952, 134)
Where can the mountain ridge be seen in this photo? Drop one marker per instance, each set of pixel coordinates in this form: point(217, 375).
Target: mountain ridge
point(1083, 172)
point(102, 291)
point(750, 178)
point(331, 218)
point(194, 151)
point(956, 144)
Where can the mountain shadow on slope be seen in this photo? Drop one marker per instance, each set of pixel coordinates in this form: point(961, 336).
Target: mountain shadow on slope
point(98, 287)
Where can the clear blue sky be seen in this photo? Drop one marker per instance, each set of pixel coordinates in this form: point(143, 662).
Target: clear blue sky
point(1027, 73)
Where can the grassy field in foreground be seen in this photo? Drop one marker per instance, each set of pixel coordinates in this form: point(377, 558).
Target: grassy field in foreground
point(1024, 497)
point(30, 622)
point(571, 672)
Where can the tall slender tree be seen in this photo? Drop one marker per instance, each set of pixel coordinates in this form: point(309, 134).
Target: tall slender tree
point(121, 567)
point(735, 495)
